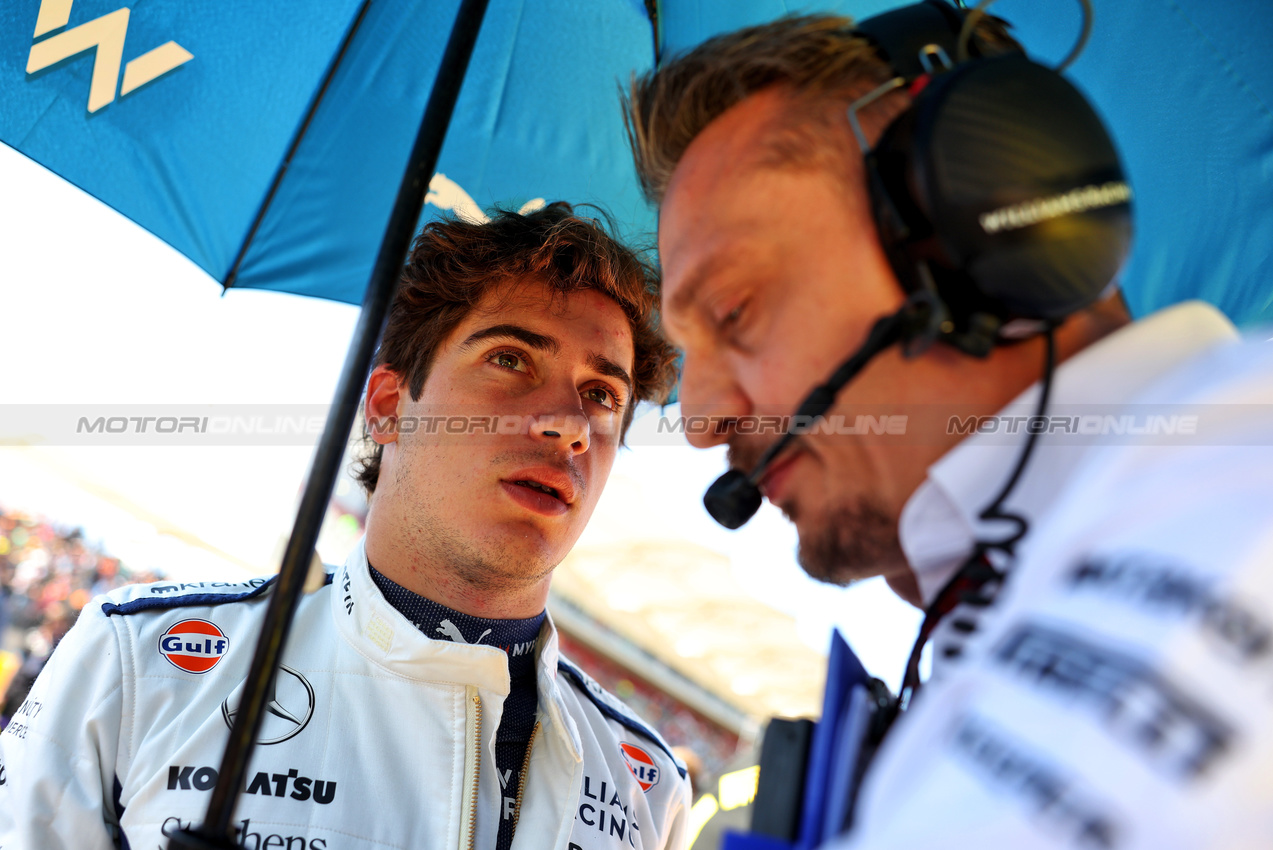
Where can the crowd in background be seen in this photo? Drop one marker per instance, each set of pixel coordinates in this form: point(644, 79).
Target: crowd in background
point(47, 575)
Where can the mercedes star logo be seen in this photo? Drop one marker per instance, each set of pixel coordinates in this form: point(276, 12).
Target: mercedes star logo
point(284, 718)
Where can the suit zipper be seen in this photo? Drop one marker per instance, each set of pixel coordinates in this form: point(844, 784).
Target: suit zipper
point(521, 784)
point(472, 767)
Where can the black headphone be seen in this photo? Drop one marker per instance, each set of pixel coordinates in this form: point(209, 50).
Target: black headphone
point(999, 200)
point(999, 190)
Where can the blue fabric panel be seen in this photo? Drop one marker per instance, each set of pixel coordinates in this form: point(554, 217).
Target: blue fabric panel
point(685, 24)
point(1186, 87)
point(189, 155)
point(538, 117)
point(321, 231)
point(544, 91)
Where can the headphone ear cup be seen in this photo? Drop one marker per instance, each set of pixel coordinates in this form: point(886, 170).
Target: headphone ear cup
point(1023, 186)
point(1008, 184)
point(910, 241)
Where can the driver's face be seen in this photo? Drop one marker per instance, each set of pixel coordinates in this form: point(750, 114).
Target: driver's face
point(773, 275)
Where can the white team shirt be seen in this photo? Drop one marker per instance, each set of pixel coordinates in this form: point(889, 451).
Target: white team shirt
point(1118, 693)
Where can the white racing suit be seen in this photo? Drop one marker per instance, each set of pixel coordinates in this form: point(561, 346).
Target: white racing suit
point(376, 736)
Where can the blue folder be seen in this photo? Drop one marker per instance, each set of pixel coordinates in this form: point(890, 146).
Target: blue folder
point(833, 756)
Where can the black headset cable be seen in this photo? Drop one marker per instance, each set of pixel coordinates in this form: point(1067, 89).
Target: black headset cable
point(971, 582)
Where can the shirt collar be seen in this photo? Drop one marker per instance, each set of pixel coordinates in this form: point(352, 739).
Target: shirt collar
point(381, 633)
point(940, 524)
point(516, 637)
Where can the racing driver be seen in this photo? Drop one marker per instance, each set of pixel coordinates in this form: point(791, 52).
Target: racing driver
point(421, 700)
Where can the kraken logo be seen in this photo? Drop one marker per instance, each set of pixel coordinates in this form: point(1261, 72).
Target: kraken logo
point(106, 36)
point(445, 194)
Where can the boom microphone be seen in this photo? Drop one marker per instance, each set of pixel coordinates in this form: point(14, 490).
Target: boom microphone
point(735, 497)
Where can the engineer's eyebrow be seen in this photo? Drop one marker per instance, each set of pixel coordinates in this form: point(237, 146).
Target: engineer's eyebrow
point(698, 276)
point(605, 366)
point(526, 337)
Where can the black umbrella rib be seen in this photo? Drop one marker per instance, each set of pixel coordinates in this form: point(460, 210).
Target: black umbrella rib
point(217, 831)
point(652, 9)
point(233, 274)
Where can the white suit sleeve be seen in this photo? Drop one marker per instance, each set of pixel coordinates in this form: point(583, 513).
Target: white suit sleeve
point(676, 835)
point(58, 755)
point(1118, 696)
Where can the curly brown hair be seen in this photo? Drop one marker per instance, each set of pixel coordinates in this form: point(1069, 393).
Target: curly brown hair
point(454, 263)
point(821, 59)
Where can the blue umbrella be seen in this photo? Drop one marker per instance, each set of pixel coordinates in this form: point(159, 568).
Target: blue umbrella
point(268, 140)
point(268, 143)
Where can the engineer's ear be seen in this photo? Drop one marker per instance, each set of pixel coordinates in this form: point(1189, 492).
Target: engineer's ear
point(385, 389)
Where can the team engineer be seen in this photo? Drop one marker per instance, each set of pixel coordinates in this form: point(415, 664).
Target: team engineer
point(1116, 692)
point(422, 701)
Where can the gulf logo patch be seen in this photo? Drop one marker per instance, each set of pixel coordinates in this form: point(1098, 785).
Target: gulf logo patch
point(641, 765)
point(194, 645)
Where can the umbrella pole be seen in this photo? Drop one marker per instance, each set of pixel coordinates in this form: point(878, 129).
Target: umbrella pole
point(217, 830)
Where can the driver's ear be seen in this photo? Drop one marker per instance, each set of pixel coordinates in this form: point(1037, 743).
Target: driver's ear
point(385, 391)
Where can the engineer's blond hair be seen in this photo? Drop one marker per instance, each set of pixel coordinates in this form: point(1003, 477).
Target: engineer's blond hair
point(819, 58)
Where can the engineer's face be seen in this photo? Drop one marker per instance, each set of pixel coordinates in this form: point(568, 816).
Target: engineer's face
point(471, 493)
point(773, 275)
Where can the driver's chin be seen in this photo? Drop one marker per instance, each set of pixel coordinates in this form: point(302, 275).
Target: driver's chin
point(533, 552)
point(842, 544)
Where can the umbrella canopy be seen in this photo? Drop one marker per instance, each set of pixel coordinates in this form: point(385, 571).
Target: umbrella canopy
point(266, 141)
point(270, 144)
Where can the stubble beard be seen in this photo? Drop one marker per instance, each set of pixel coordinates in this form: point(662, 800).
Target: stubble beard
point(489, 566)
point(849, 543)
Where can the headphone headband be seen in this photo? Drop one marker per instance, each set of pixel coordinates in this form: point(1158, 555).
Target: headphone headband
point(902, 34)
